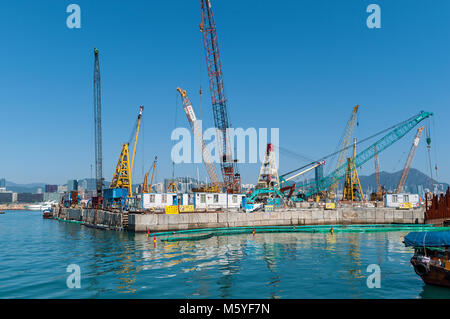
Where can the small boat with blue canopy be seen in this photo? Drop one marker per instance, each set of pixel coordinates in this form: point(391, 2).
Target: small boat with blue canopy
point(431, 257)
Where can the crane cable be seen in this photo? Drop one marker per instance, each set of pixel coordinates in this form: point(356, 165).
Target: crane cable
point(429, 154)
point(435, 151)
point(358, 142)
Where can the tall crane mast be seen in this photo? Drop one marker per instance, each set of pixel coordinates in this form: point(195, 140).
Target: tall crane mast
point(124, 169)
point(230, 174)
point(412, 152)
point(98, 125)
point(344, 144)
point(209, 165)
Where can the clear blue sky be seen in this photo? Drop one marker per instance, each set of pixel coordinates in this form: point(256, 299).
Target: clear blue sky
point(297, 65)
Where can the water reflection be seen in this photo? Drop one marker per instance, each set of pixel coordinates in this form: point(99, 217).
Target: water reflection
point(277, 265)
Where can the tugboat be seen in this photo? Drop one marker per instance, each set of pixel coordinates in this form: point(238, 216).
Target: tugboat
point(47, 213)
point(431, 256)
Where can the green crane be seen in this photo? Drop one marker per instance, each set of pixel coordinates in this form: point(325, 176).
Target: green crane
point(397, 132)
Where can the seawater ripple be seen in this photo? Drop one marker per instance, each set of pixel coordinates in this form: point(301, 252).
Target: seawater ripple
point(35, 254)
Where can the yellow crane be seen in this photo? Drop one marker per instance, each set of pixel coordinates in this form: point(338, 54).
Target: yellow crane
point(148, 188)
point(209, 165)
point(124, 169)
point(352, 185)
point(344, 144)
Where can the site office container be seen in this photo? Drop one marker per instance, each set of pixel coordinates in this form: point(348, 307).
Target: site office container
point(159, 200)
point(217, 200)
point(235, 200)
point(199, 200)
point(394, 200)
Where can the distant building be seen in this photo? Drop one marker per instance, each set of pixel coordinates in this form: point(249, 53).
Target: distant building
point(72, 185)
point(2, 182)
point(53, 196)
point(6, 198)
point(184, 184)
point(29, 198)
point(87, 184)
point(420, 191)
point(62, 188)
point(318, 174)
point(2, 189)
point(51, 188)
point(39, 190)
point(157, 188)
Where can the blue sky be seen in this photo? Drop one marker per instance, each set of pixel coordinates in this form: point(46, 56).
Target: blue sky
point(300, 66)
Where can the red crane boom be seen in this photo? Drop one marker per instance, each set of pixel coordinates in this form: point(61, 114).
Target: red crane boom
point(231, 176)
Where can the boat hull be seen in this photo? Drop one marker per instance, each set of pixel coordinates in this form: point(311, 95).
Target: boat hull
point(434, 275)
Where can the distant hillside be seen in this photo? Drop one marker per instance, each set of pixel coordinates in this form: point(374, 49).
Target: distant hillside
point(24, 188)
point(390, 180)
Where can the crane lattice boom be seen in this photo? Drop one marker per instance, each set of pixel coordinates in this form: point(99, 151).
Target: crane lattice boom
point(124, 168)
point(411, 154)
point(231, 177)
point(377, 174)
point(98, 125)
point(207, 160)
point(345, 143)
point(393, 136)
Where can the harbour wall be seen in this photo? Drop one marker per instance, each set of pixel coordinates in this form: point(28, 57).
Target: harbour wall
point(142, 222)
point(91, 217)
point(163, 222)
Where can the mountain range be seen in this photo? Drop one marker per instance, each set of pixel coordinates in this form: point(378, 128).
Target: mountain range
point(388, 180)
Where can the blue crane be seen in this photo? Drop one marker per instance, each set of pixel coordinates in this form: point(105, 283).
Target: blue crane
point(397, 132)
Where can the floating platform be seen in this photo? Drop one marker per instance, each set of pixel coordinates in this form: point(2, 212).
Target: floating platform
point(158, 222)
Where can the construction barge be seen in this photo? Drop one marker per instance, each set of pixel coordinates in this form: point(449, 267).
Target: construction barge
point(160, 221)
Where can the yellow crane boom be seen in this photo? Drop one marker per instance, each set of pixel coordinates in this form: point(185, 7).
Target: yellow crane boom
point(124, 169)
point(148, 188)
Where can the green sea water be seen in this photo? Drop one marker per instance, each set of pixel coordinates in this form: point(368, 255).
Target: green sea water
point(35, 254)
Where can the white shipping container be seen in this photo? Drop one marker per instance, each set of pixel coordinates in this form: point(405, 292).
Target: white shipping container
point(199, 200)
point(158, 200)
point(210, 200)
point(235, 200)
point(393, 200)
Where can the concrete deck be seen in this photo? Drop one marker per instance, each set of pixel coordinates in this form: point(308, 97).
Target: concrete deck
point(139, 222)
point(161, 222)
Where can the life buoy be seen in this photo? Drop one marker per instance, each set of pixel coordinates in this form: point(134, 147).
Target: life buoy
point(421, 269)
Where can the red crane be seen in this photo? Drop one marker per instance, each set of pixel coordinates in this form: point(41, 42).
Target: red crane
point(231, 176)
